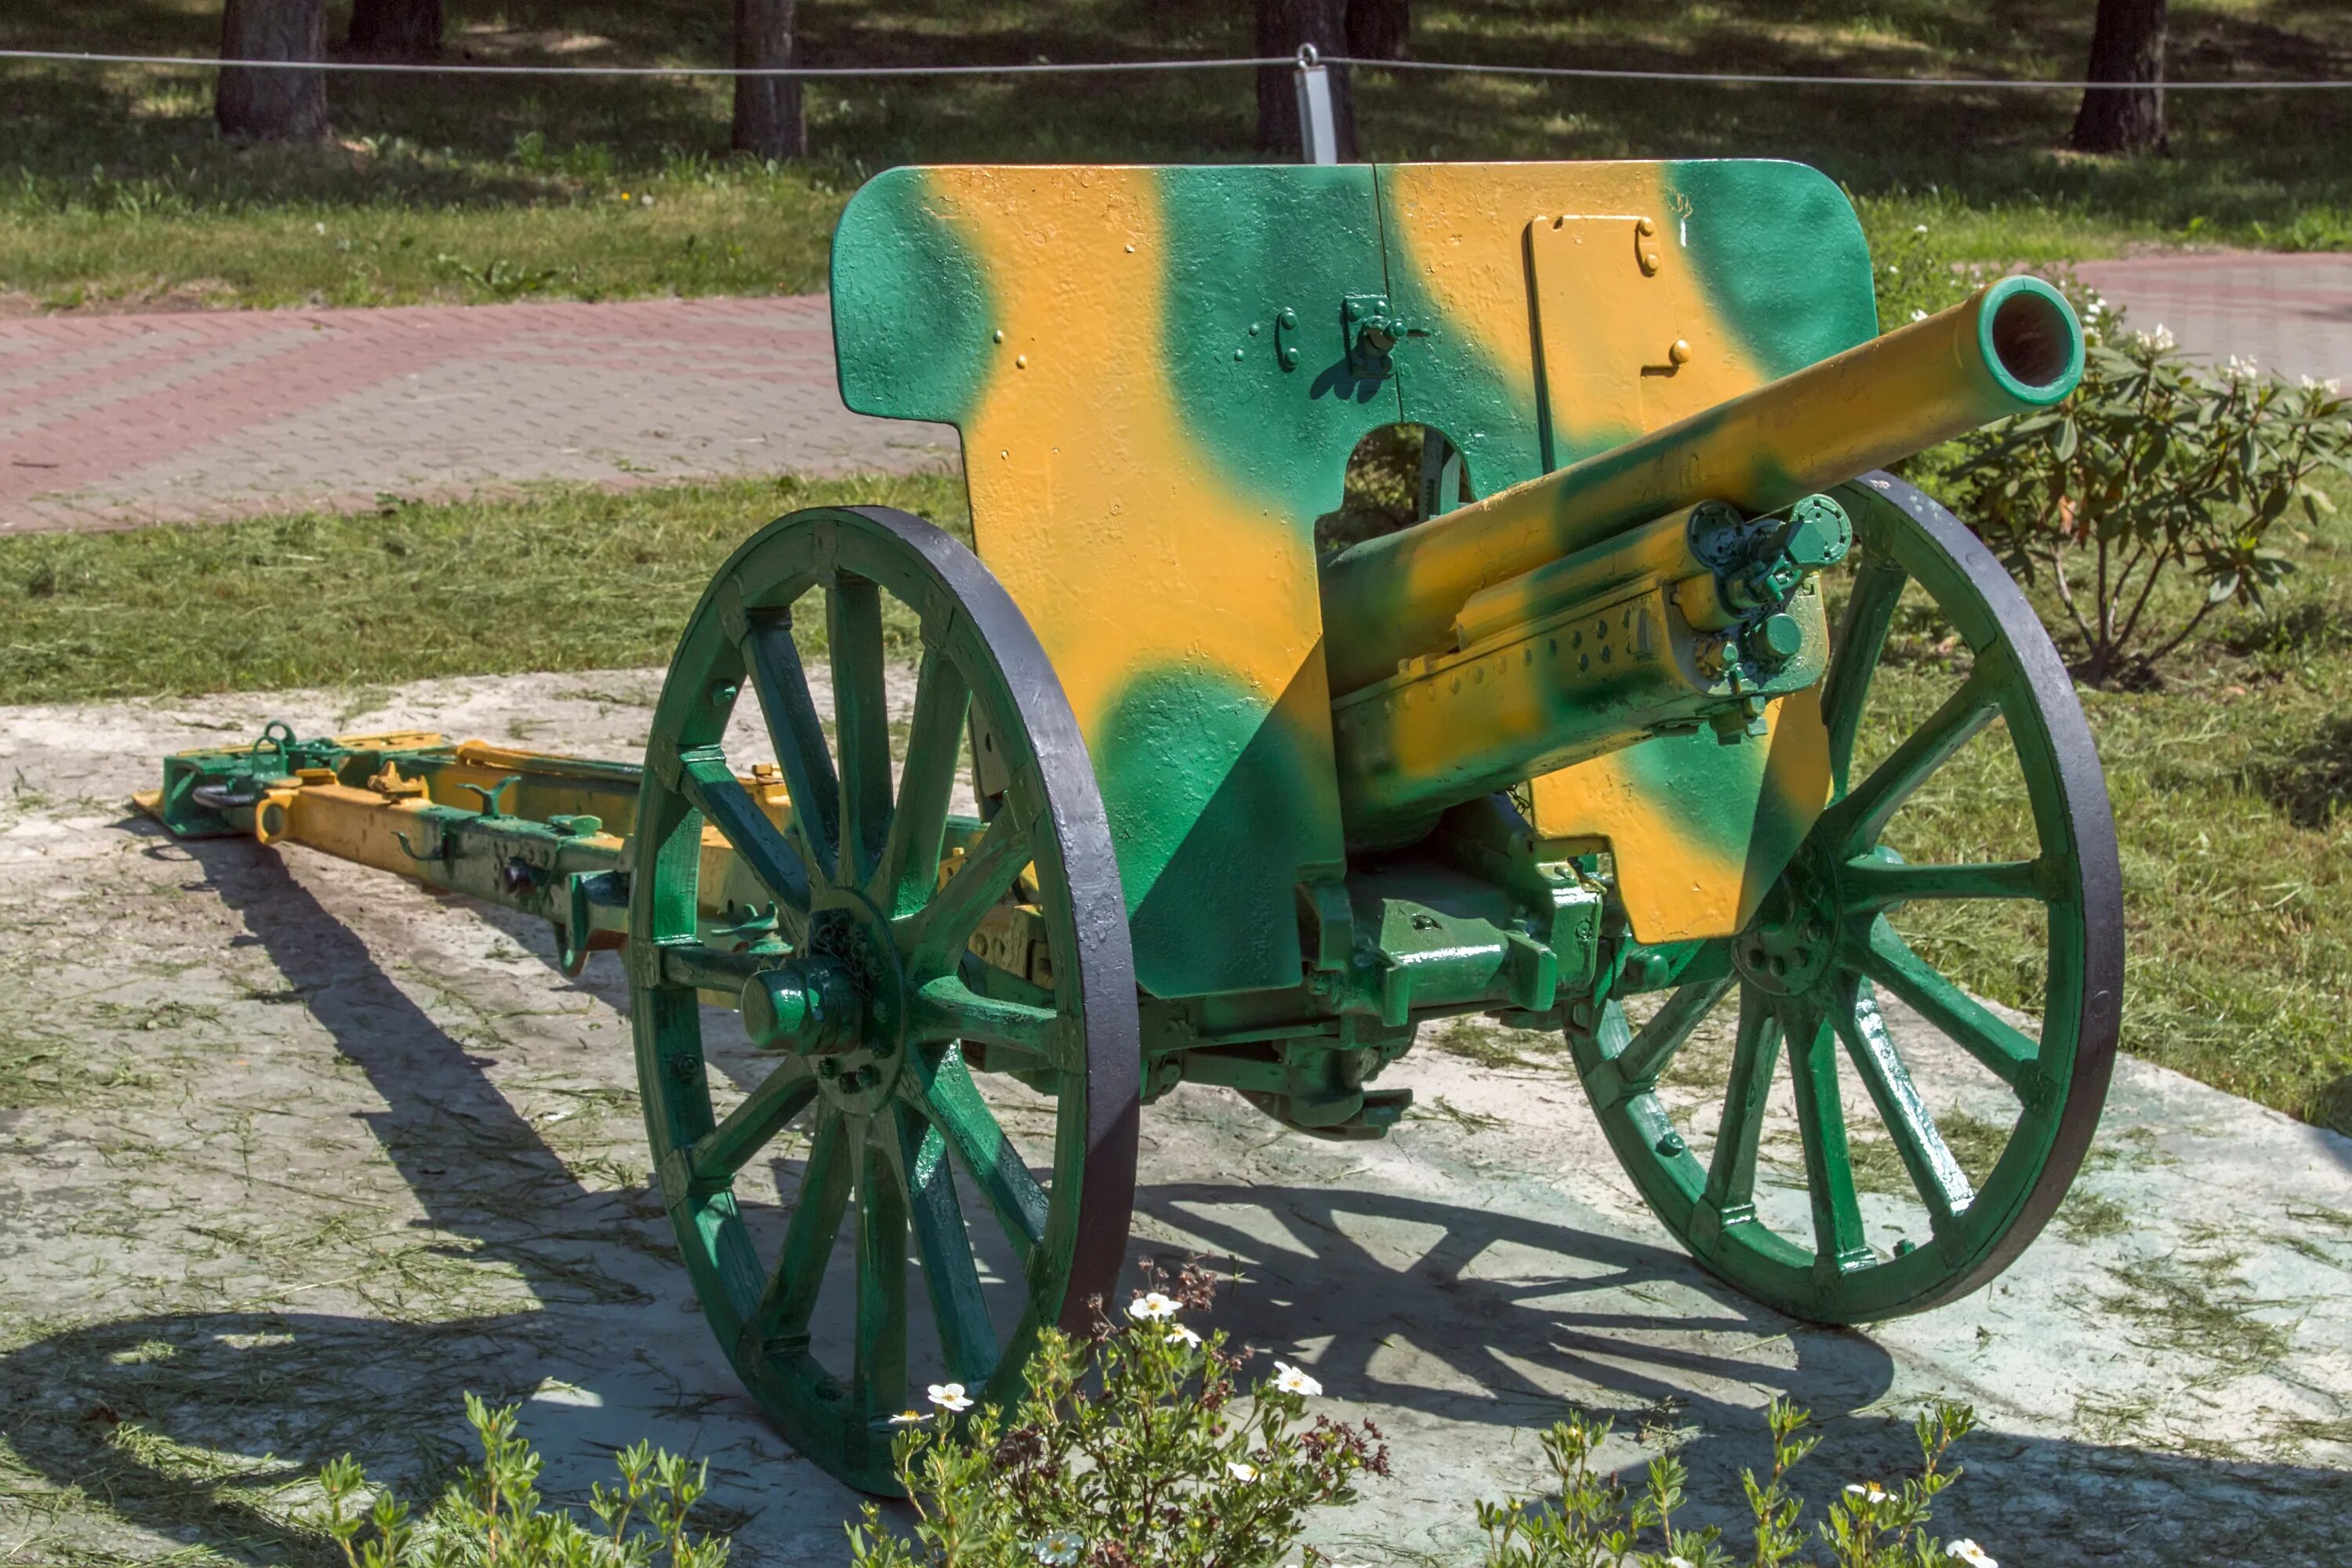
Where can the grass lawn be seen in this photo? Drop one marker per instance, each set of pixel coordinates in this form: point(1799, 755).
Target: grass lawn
point(114, 191)
point(2229, 785)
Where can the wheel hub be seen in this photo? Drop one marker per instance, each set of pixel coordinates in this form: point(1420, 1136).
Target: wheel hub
point(840, 1002)
point(1787, 949)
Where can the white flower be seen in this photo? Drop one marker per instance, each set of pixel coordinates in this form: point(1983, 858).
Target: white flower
point(1678, 1563)
point(2161, 338)
point(1059, 1548)
point(1240, 1471)
point(1919, 315)
point(1970, 1553)
point(1891, 268)
point(909, 1418)
point(950, 1396)
point(1290, 1380)
point(1151, 1307)
point(2330, 387)
point(2240, 368)
point(1868, 1492)
point(1181, 1335)
point(1915, 229)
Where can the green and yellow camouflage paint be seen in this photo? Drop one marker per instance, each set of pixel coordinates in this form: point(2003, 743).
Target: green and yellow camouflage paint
point(1158, 376)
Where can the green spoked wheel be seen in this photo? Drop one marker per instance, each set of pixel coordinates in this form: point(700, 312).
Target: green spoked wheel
point(918, 1123)
point(1821, 1107)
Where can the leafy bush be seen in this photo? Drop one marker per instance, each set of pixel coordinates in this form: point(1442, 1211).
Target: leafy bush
point(1595, 1524)
point(1135, 1448)
point(491, 1513)
point(2157, 467)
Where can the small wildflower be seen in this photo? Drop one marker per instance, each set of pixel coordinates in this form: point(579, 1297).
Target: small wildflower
point(1240, 1471)
point(1678, 1563)
point(1290, 1380)
point(625, 196)
point(1919, 315)
point(909, 1418)
point(1915, 229)
point(950, 1396)
point(1891, 268)
point(1970, 1553)
point(318, 228)
point(1868, 1492)
point(2161, 338)
point(1151, 1307)
point(1184, 1336)
point(1059, 1548)
point(2240, 368)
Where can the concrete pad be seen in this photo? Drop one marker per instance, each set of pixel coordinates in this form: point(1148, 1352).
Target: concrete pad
point(291, 1153)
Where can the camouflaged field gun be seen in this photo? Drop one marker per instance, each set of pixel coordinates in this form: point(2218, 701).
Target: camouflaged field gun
point(1693, 737)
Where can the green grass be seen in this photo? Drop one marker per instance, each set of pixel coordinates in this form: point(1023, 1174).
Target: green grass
point(114, 189)
point(563, 578)
point(2230, 784)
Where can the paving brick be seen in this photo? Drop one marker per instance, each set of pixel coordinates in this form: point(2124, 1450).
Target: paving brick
point(111, 420)
point(2288, 313)
point(120, 419)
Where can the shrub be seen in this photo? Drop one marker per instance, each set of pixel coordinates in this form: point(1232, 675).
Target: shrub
point(1595, 1524)
point(2157, 467)
point(491, 1513)
point(1135, 1448)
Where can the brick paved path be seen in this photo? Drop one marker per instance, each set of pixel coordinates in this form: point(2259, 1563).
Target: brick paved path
point(112, 420)
point(2288, 313)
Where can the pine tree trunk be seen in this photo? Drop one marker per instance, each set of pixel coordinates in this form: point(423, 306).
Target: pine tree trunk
point(1378, 29)
point(403, 30)
point(2126, 45)
point(767, 108)
point(272, 105)
point(1282, 26)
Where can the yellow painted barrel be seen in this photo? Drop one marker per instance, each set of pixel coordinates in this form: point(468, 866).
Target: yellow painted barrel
point(2010, 348)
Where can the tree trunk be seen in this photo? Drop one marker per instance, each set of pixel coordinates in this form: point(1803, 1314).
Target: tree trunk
point(1377, 29)
point(2127, 45)
point(1282, 26)
point(767, 108)
point(403, 29)
point(272, 105)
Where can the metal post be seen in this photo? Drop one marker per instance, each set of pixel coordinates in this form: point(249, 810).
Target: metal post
point(1318, 142)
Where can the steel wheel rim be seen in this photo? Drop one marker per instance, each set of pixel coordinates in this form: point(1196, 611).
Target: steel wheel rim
point(896, 1127)
point(2061, 1088)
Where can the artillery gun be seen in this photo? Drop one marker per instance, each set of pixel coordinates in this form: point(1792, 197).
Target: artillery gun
point(1597, 752)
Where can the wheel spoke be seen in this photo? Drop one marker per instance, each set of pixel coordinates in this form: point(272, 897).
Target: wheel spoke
point(773, 662)
point(947, 1096)
point(909, 870)
point(1837, 1242)
point(861, 722)
point(1867, 883)
point(2007, 1052)
point(878, 1365)
point(1731, 1170)
point(942, 927)
point(948, 1009)
point(949, 1273)
point(719, 795)
point(1858, 818)
point(1861, 638)
point(1942, 1185)
point(719, 1154)
point(1648, 1053)
point(791, 1295)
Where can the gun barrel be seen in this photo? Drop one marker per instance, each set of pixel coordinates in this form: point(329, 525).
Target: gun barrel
point(2012, 347)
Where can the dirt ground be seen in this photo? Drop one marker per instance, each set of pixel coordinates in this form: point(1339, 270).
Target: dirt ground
point(292, 1153)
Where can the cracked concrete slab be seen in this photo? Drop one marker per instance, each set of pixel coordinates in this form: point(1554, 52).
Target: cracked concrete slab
point(291, 1153)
